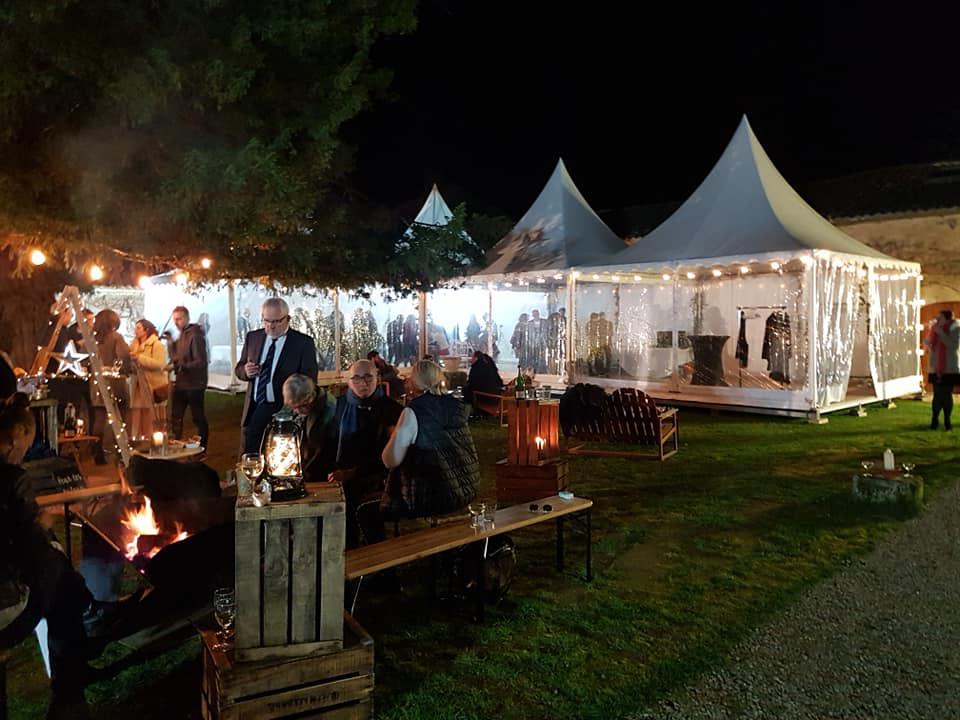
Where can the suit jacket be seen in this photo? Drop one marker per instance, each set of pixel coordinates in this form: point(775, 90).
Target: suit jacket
point(299, 355)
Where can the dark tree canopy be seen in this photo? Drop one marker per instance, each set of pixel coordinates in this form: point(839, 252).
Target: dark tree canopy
point(174, 129)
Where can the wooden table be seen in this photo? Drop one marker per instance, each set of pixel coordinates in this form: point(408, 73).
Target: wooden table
point(180, 453)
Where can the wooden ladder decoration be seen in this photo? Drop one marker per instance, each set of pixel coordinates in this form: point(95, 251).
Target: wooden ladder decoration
point(71, 295)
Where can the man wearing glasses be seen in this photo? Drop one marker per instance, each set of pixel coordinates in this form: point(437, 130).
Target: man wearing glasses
point(271, 355)
point(361, 426)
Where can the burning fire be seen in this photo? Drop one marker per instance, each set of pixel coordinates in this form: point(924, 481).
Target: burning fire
point(141, 522)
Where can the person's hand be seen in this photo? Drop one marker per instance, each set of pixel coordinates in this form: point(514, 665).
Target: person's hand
point(252, 369)
point(340, 476)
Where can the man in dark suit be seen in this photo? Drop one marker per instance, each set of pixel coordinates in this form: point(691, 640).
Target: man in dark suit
point(269, 357)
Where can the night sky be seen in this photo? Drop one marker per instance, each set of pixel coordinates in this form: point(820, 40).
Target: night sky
point(640, 100)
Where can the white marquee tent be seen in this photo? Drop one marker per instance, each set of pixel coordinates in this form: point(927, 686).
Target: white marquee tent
point(747, 297)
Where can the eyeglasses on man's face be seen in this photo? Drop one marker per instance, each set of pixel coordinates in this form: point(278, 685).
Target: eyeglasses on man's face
point(362, 378)
point(267, 321)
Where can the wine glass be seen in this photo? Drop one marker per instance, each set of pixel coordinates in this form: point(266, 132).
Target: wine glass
point(252, 465)
point(908, 467)
point(225, 611)
point(476, 517)
point(867, 465)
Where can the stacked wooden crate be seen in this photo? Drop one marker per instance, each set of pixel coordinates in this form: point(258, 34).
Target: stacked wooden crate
point(535, 466)
point(297, 654)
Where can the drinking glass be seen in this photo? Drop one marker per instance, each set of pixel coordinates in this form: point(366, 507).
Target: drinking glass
point(867, 465)
point(252, 465)
point(490, 517)
point(908, 467)
point(225, 611)
point(476, 517)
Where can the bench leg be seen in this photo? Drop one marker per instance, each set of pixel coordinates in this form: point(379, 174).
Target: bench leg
point(559, 544)
point(589, 545)
point(67, 542)
point(3, 688)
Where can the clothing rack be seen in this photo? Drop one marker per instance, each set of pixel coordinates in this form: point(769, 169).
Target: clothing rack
point(742, 315)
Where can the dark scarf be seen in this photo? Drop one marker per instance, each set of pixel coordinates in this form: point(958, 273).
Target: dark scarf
point(350, 420)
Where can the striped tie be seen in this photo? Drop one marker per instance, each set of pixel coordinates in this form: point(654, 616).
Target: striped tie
point(266, 370)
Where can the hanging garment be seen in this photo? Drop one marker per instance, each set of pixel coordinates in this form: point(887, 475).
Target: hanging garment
point(743, 349)
point(777, 346)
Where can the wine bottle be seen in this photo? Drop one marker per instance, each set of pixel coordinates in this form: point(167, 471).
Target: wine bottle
point(521, 386)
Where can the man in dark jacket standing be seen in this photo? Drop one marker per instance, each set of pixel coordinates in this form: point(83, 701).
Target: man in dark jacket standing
point(269, 357)
point(188, 359)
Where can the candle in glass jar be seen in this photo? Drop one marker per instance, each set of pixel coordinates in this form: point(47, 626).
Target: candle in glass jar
point(158, 438)
point(79, 426)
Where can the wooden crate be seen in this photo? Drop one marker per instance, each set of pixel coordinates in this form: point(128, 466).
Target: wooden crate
point(289, 576)
point(523, 483)
point(335, 686)
point(528, 420)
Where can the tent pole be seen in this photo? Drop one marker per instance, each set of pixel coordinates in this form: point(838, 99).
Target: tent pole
point(569, 359)
point(675, 335)
point(232, 324)
point(422, 298)
point(812, 310)
point(490, 319)
point(336, 331)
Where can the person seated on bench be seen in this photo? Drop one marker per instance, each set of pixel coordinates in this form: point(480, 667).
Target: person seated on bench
point(314, 408)
point(484, 377)
point(361, 426)
point(36, 578)
point(434, 463)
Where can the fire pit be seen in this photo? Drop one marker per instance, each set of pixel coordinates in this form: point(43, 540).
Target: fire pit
point(182, 547)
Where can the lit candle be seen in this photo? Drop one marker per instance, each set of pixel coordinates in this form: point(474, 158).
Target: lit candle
point(540, 443)
point(158, 439)
point(79, 426)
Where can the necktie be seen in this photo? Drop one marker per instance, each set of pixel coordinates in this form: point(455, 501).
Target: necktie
point(266, 370)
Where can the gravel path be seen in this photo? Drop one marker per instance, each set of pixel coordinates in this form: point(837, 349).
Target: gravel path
point(881, 639)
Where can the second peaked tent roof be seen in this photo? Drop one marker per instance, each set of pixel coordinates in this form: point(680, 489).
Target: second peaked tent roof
point(744, 207)
point(559, 231)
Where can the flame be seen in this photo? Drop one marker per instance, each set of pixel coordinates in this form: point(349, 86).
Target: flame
point(142, 521)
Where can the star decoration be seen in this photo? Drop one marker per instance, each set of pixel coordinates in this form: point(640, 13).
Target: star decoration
point(70, 360)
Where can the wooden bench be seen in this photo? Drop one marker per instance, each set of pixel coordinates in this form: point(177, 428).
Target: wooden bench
point(631, 417)
point(68, 498)
point(370, 559)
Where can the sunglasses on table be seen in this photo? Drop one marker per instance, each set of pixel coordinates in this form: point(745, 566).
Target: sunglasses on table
point(546, 507)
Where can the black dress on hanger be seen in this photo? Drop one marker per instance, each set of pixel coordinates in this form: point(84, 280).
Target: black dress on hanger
point(777, 346)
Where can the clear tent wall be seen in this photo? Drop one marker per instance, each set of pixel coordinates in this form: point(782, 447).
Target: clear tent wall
point(777, 334)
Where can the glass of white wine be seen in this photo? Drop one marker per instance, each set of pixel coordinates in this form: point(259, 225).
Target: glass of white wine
point(225, 611)
point(252, 465)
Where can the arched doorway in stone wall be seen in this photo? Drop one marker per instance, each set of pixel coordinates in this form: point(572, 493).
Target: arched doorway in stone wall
point(928, 313)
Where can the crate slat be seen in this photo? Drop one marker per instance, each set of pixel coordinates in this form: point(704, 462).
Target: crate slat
point(303, 620)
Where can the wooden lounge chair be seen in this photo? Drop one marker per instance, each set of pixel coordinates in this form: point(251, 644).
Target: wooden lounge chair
point(492, 405)
point(630, 417)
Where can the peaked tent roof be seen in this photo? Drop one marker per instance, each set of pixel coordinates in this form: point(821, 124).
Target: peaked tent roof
point(435, 210)
point(743, 207)
point(560, 230)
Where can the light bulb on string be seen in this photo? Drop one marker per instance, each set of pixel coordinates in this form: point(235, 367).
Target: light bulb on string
point(37, 257)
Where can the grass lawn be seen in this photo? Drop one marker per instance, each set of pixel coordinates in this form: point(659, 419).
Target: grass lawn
point(689, 555)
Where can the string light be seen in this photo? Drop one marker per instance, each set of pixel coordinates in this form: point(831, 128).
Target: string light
point(666, 276)
point(95, 273)
point(180, 278)
point(37, 257)
point(774, 265)
point(716, 272)
point(744, 269)
point(144, 281)
point(206, 263)
point(691, 276)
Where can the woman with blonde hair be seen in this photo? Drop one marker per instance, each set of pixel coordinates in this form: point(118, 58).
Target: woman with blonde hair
point(150, 383)
point(433, 461)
